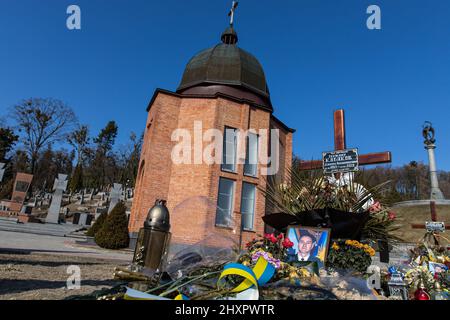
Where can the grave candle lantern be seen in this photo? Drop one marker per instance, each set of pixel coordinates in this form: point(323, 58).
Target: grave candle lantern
point(397, 287)
point(438, 294)
point(153, 239)
point(420, 293)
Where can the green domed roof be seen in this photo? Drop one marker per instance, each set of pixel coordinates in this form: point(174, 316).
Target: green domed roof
point(225, 64)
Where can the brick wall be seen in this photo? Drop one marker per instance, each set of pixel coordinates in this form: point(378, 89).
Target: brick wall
point(191, 190)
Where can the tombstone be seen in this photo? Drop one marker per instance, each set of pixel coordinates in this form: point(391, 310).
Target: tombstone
point(82, 219)
point(99, 211)
point(80, 199)
point(90, 195)
point(26, 209)
point(59, 187)
point(115, 195)
point(21, 186)
point(2, 170)
point(66, 211)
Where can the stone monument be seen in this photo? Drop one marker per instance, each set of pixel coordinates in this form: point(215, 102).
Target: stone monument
point(116, 193)
point(59, 187)
point(428, 134)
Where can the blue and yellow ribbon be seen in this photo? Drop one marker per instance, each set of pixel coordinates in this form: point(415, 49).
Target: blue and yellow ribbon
point(261, 273)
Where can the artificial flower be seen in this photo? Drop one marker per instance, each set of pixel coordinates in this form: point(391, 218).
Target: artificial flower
point(391, 215)
point(287, 243)
point(271, 237)
point(335, 246)
point(376, 207)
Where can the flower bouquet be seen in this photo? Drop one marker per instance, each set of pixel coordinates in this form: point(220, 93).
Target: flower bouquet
point(343, 205)
point(258, 272)
point(350, 255)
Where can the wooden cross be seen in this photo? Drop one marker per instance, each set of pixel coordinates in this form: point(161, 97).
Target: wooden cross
point(340, 144)
point(433, 218)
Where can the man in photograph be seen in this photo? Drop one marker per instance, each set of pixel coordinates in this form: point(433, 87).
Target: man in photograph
point(307, 242)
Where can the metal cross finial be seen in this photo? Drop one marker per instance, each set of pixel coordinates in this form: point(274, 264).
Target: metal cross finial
point(231, 13)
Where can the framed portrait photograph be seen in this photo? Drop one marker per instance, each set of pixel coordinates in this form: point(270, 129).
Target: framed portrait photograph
point(435, 267)
point(310, 244)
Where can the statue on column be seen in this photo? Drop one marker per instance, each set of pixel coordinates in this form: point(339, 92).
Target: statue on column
point(428, 133)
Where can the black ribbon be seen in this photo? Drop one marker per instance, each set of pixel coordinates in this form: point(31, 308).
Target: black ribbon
point(343, 225)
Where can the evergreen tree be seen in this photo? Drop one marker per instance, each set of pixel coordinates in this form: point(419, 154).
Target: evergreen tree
point(114, 232)
point(76, 182)
point(7, 141)
point(98, 224)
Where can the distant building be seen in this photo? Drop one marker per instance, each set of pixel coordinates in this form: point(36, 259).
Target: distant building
point(223, 87)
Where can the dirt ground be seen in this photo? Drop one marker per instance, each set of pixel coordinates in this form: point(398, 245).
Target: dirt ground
point(418, 214)
point(38, 276)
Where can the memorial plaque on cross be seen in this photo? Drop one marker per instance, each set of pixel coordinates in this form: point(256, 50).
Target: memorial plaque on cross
point(434, 225)
point(340, 144)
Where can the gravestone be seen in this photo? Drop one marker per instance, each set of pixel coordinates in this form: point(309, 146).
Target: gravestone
point(116, 193)
point(88, 196)
point(59, 187)
point(21, 186)
point(81, 200)
point(99, 211)
point(82, 218)
point(2, 170)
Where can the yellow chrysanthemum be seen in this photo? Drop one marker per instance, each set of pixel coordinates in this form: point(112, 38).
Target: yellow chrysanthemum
point(335, 246)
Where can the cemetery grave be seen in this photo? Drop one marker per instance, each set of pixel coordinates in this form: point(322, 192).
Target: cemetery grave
point(242, 218)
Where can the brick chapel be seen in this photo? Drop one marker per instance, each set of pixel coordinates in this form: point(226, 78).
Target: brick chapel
point(223, 87)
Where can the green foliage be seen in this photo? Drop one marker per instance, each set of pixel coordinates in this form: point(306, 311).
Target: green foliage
point(312, 191)
point(6, 189)
point(7, 142)
point(76, 182)
point(350, 255)
point(107, 136)
point(97, 225)
point(79, 139)
point(114, 232)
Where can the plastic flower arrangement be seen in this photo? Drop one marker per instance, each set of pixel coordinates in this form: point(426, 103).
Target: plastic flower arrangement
point(350, 194)
point(350, 255)
point(274, 249)
point(421, 256)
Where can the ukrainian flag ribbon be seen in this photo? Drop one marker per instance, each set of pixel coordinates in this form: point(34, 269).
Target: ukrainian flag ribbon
point(132, 294)
point(261, 273)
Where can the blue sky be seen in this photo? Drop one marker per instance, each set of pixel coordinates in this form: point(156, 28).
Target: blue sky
point(318, 55)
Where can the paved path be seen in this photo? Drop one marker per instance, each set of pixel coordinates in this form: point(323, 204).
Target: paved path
point(28, 242)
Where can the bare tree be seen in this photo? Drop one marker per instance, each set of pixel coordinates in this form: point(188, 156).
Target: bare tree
point(42, 122)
